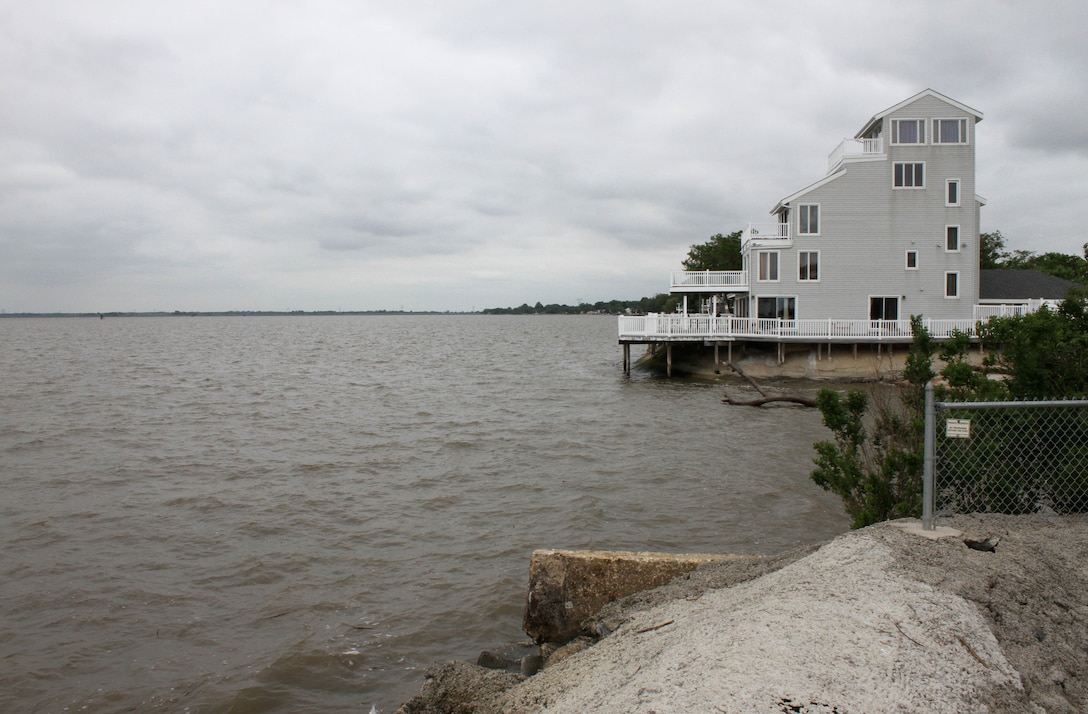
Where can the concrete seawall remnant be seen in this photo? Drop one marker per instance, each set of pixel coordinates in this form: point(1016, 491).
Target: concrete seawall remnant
point(566, 587)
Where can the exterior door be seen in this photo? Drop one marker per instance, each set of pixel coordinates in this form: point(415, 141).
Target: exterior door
point(884, 308)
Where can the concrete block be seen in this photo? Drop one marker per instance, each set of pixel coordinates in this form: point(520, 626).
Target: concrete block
point(568, 586)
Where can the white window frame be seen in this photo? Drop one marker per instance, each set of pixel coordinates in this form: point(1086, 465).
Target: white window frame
point(962, 129)
point(766, 266)
point(801, 266)
point(956, 294)
point(913, 164)
point(907, 264)
point(919, 123)
point(959, 239)
point(948, 184)
point(804, 211)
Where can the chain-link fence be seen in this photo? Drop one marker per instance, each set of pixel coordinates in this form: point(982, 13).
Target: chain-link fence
point(1005, 457)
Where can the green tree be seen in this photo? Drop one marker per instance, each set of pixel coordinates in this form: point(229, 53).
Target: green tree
point(1045, 353)
point(991, 250)
point(718, 253)
point(877, 469)
point(993, 254)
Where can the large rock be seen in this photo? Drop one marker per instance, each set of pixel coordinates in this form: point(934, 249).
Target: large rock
point(568, 586)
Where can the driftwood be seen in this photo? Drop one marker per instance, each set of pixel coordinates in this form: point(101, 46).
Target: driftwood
point(766, 398)
point(751, 381)
point(794, 399)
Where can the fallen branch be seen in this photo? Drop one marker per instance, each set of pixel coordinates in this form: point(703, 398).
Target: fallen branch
point(654, 627)
point(908, 636)
point(805, 401)
point(751, 381)
point(766, 398)
point(971, 651)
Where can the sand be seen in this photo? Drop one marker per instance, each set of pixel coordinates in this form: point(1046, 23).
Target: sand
point(877, 620)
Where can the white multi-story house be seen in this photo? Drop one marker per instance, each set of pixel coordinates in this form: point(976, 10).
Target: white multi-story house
point(890, 231)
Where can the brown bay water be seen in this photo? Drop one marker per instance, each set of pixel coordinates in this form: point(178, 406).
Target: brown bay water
point(300, 514)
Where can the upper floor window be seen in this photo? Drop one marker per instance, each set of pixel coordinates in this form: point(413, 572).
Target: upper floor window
point(908, 131)
point(808, 264)
point(949, 131)
point(809, 219)
point(952, 238)
point(952, 285)
point(912, 260)
point(952, 192)
point(768, 266)
point(910, 175)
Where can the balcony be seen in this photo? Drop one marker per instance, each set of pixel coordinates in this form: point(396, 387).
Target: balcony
point(852, 149)
point(767, 235)
point(709, 281)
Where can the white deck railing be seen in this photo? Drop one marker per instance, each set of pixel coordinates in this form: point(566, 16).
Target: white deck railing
point(854, 147)
point(765, 234)
point(985, 312)
point(675, 327)
point(709, 281)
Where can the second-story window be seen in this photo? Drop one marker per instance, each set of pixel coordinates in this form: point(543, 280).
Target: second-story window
point(908, 131)
point(768, 266)
point(808, 265)
point(952, 238)
point(912, 260)
point(808, 219)
point(910, 175)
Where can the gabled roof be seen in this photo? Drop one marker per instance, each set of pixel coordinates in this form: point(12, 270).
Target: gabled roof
point(926, 93)
point(1021, 285)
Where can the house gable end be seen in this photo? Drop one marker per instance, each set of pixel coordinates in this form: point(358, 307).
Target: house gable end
point(878, 119)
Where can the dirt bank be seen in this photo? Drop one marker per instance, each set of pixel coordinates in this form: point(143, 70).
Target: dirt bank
point(876, 620)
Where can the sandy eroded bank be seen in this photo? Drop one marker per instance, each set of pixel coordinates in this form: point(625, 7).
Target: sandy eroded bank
point(876, 620)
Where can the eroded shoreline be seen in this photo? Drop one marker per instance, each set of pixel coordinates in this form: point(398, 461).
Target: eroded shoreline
point(875, 620)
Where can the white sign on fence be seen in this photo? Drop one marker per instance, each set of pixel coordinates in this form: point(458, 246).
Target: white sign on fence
point(958, 429)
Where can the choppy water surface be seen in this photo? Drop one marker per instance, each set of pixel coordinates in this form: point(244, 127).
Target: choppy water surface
point(250, 514)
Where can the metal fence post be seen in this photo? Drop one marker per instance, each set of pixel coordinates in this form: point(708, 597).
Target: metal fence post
point(928, 495)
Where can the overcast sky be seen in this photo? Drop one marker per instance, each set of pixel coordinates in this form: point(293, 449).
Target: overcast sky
point(459, 154)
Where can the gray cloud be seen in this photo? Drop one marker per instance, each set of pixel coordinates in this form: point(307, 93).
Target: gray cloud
point(244, 154)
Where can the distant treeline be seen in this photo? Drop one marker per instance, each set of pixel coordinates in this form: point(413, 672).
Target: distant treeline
point(611, 307)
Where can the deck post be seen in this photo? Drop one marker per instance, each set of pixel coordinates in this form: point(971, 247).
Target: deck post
point(627, 359)
point(717, 362)
point(668, 359)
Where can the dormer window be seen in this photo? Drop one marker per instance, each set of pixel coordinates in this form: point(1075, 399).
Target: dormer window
point(908, 131)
